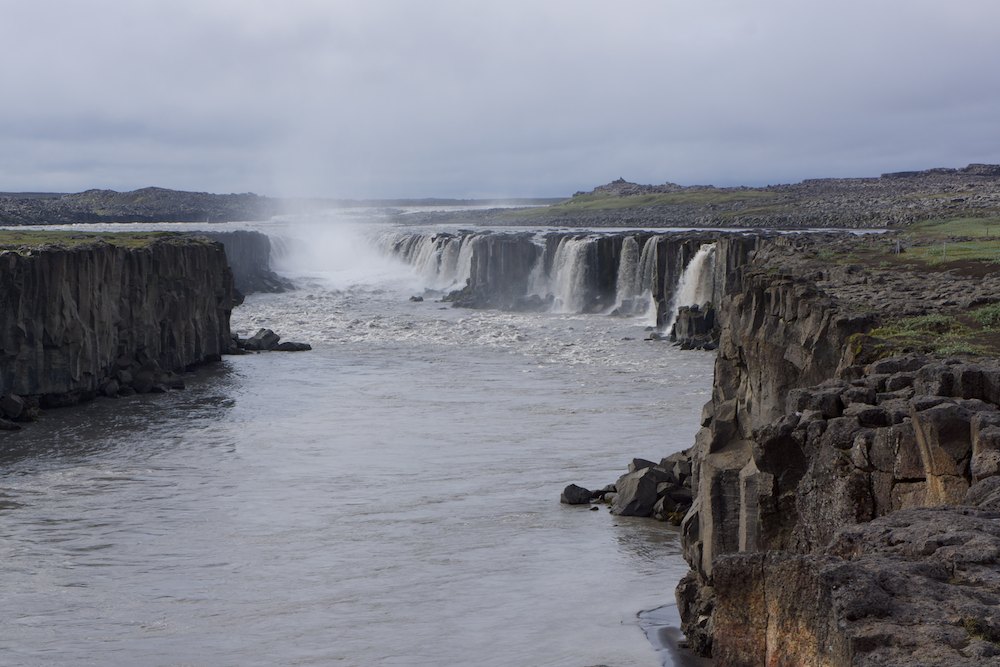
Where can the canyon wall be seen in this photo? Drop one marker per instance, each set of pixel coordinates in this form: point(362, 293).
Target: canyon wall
point(249, 257)
point(78, 320)
point(841, 498)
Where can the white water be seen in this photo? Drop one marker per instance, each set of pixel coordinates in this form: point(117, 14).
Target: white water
point(636, 273)
point(695, 286)
point(567, 279)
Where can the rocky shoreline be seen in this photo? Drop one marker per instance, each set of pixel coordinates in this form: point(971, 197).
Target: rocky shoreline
point(845, 500)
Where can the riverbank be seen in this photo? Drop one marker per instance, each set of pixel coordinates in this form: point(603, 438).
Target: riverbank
point(828, 460)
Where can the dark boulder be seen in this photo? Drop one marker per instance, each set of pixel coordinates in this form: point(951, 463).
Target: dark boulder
point(289, 346)
point(575, 495)
point(264, 339)
point(11, 406)
point(637, 492)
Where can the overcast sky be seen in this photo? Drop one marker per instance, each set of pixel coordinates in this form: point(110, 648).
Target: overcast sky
point(383, 98)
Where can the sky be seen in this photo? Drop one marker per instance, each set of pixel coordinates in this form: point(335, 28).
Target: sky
point(463, 98)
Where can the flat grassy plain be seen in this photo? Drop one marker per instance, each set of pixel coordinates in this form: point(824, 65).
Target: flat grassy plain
point(18, 240)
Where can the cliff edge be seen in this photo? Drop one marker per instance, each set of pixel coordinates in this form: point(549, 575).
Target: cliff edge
point(116, 313)
point(846, 474)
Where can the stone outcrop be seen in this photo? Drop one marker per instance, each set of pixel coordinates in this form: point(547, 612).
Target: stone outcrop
point(696, 328)
point(107, 318)
point(839, 496)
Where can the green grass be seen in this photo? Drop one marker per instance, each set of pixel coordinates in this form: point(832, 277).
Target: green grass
point(961, 251)
point(21, 239)
point(933, 334)
point(987, 316)
point(988, 227)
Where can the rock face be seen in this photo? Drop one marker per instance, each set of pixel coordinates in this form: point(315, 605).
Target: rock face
point(249, 256)
point(75, 320)
point(696, 328)
point(840, 499)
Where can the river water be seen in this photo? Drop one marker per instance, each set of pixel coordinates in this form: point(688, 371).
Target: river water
point(389, 498)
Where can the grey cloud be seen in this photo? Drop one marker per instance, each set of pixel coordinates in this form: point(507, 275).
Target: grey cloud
point(398, 98)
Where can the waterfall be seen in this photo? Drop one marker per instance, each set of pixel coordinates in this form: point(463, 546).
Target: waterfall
point(636, 274)
point(568, 277)
point(696, 283)
point(442, 261)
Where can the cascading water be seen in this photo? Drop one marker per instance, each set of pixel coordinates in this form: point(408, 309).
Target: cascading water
point(442, 261)
point(696, 283)
point(568, 277)
point(636, 276)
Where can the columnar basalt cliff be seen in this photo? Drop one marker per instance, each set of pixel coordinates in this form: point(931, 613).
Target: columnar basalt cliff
point(841, 499)
point(110, 318)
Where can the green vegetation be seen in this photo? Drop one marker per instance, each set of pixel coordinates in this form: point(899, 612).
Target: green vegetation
point(988, 227)
point(987, 316)
point(932, 334)
point(26, 239)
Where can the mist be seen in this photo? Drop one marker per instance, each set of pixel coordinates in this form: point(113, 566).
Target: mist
point(491, 99)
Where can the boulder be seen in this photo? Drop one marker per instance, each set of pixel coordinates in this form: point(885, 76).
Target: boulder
point(575, 495)
point(264, 339)
point(11, 406)
point(110, 388)
point(637, 492)
point(289, 346)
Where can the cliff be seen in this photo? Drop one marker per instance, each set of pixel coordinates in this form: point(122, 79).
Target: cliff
point(811, 537)
point(111, 314)
point(249, 257)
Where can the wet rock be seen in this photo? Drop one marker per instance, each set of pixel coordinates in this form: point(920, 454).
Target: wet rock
point(264, 339)
point(637, 492)
point(7, 425)
point(575, 495)
point(639, 464)
point(416, 299)
point(289, 346)
point(11, 406)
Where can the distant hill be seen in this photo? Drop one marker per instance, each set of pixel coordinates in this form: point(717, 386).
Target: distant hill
point(890, 200)
point(145, 205)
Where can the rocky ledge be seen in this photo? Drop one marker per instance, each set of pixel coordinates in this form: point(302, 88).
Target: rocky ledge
point(845, 505)
point(121, 314)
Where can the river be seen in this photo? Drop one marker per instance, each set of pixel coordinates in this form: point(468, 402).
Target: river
point(389, 498)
